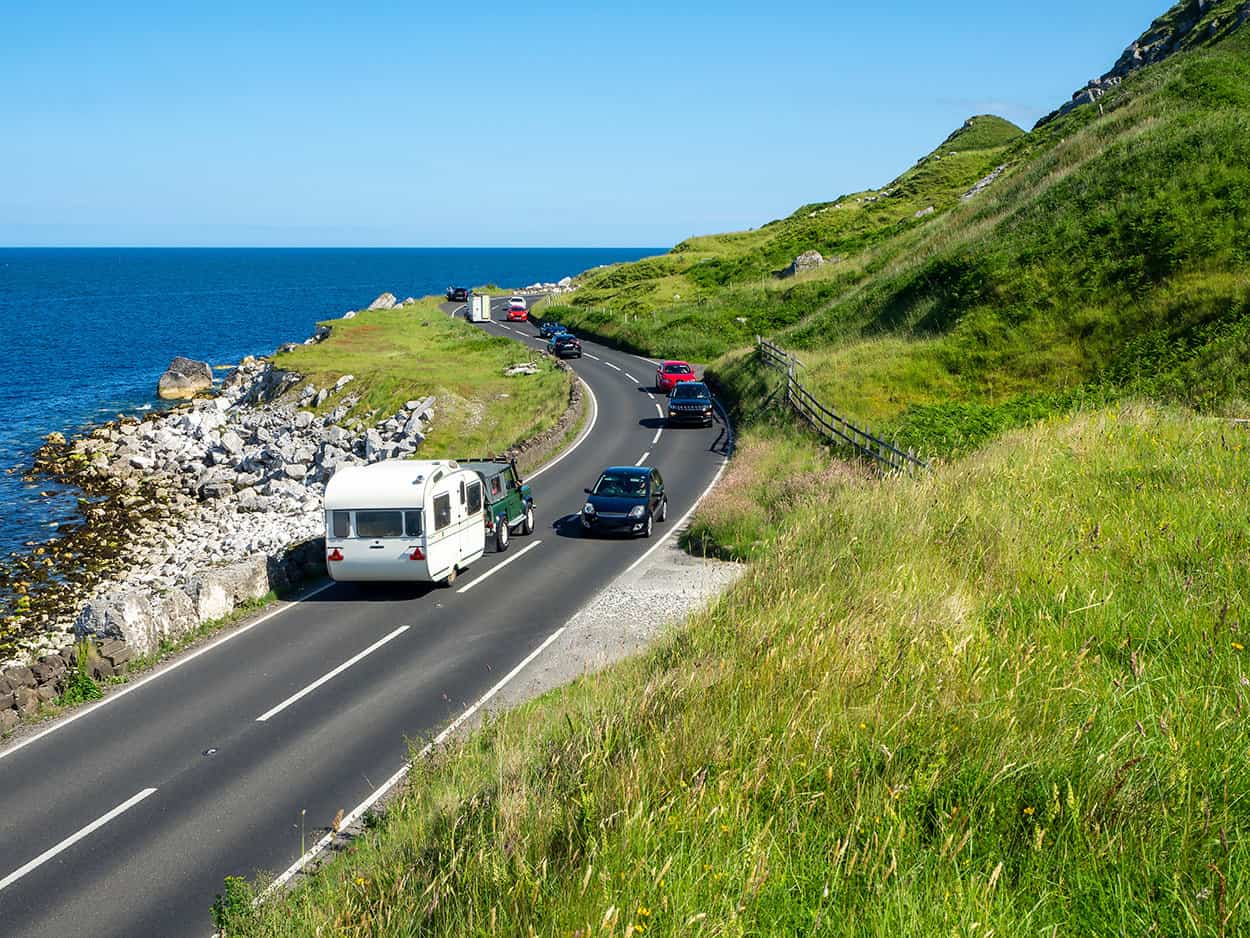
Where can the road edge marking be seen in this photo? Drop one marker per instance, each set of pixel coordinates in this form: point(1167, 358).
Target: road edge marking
point(74, 838)
point(378, 793)
point(173, 665)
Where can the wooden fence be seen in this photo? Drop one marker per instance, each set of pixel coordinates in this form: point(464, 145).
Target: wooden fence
point(832, 426)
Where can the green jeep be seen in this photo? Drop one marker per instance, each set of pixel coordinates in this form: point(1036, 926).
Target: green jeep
point(509, 502)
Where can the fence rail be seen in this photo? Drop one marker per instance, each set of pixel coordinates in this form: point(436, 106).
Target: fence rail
point(831, 425)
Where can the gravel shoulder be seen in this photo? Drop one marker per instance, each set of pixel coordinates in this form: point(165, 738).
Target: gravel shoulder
point(623, 619)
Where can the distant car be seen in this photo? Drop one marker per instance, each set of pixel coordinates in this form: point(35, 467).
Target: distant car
point(548, 329)
point(625, 500)
point(564, 345)
point(672, 373)
point(517, 311)
point(457, 294)
point(690, 402)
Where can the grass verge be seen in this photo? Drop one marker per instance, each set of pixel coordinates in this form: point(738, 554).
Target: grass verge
point(1005, 697)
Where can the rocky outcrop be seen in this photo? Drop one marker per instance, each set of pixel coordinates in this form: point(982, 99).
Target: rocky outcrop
point(808, 260)
point(184, 378)
point(384, 301)
point(1189, 24)
point(983, 184)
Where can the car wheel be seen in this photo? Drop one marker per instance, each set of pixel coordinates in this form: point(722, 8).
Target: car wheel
point(648, 527)
point(663, 513)
point(501, 535)
point(451, 576)
point(527, 526)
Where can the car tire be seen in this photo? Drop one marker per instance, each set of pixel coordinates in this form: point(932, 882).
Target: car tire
point(663, 512)
point(648, 527)
point(527, 525)
point(501, 535)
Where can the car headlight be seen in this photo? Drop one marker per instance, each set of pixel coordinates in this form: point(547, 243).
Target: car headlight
point(588, 509)
point(637, 511)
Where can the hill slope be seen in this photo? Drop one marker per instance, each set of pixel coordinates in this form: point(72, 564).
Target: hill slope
point(1109, 257)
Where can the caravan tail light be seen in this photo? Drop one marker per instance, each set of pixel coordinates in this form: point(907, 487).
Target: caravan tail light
point(335, 554)
point(416, 554)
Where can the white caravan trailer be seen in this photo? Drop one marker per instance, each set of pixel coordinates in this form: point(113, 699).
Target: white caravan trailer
point(479, 307)
point(403, 519)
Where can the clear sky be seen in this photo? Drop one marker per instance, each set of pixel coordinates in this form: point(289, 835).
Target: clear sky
point(484, 123)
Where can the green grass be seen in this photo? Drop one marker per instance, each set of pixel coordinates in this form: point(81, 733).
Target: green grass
point(401, 354)
point(1005, 697)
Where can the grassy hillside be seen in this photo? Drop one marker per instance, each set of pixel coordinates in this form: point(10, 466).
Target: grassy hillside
point(928, 713)
point(1111, 258)
point(410, 352)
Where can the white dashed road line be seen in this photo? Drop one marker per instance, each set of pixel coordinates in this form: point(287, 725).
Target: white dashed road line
point(330, 675)
point(655, 439)
point(593, 358)
point(74, 838)
point(659, 410)
point(631, 377)
point(495, 569)
point(610, 365)
point(643, 458)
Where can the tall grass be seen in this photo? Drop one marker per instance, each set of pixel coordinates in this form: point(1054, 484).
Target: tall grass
point(1005, 698)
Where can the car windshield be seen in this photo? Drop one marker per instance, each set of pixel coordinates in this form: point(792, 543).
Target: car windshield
point(677, 369)
point(690, 389)
point(621, 485)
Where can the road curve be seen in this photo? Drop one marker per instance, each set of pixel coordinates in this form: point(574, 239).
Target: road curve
point(125, 820)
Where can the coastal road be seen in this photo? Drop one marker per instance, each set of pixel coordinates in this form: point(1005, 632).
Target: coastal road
point(124, 818)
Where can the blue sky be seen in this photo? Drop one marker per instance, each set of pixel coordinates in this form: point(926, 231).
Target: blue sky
point(476, 124)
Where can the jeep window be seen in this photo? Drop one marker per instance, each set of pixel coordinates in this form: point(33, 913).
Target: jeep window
point(379, 524)
point(340, 524)
point(475, 498)
point(442, 511)
point(412, 522)
point(690, 389)
point(494, 485)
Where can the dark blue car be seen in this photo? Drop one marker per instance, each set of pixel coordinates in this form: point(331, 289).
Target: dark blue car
point(548, 329)
point(625, 500)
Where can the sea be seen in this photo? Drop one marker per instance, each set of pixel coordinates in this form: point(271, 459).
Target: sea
point(85, 333)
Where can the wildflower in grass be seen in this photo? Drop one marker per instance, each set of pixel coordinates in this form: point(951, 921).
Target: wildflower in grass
point(1238, 646)
point(1028, 811)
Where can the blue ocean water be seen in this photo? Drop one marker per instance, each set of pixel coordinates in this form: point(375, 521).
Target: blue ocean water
point(86, 332)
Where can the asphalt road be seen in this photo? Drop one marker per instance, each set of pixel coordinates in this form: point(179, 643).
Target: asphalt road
point(125, 818)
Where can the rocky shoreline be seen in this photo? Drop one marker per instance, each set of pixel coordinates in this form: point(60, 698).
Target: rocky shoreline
point(187, 513)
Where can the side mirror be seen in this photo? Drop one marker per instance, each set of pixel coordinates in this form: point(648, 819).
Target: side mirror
point(587, 491)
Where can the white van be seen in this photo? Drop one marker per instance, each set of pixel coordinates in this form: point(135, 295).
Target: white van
point(403, 519)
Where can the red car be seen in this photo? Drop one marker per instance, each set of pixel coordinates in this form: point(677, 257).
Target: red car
point(517, 311)
point(672, 373)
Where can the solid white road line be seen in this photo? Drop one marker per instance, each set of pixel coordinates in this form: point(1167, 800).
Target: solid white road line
point(593, 358)
point(74, 838)
point(173, 666)
point(594, 416)
point(332, 674)
point(690, 511)
point(495, 569)
point(394, 780)
point(643, 458)
point(655, 439)
point(631, 377)
point(617, 367)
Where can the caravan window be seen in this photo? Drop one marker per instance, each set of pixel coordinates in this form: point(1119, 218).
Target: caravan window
point(340, 524)
point(412, 522)
point(442, 511)
point(475, 498)
point(379, 524)
point(462, 491)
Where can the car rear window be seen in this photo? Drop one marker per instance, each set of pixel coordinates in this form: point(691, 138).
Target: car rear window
point(677, 369)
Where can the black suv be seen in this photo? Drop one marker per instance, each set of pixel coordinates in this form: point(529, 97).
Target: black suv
point(457, 294)
point(564, 345)
point(690, 402)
